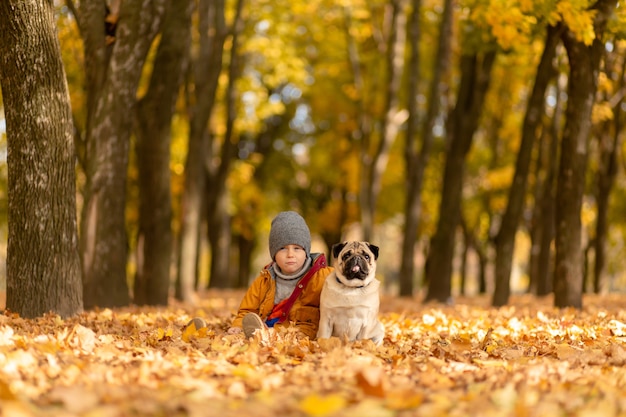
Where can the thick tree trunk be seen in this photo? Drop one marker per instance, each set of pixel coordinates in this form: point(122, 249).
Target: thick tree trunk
point(206, 70)
point(475, 76)
point(43, 262)
point(414, 171)
point(584, 62)
point(111, 101)
point(154, 116)
point(416, 161)
point(571, 179)
point(505, 240)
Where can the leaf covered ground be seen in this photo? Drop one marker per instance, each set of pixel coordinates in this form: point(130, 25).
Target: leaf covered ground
point(527, 359)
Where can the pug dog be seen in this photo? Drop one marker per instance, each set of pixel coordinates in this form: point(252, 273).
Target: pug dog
point(350, 297)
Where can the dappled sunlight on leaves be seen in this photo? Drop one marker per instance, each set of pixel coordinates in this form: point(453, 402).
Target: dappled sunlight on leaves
point(525, 359)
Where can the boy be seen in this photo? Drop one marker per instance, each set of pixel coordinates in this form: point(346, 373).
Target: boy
point(288, 289)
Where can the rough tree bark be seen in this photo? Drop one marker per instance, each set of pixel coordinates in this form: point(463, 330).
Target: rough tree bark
point(43, 263)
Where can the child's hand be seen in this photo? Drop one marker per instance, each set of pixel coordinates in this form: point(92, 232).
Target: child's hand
point(235, 330)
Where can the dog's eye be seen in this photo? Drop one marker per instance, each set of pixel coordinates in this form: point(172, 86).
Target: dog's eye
point(366, 256)
point(345, 256)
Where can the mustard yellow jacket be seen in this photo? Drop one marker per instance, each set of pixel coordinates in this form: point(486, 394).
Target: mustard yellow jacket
point(305, 312)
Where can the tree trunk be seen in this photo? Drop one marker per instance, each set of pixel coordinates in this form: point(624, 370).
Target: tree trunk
point(483, 262)
point(414, 171)
point(606, 179)
point(207, 68)
point(43, 263)
point(220, 240)
point(584, 62)
point(534, 227)
point(505, 239)
point(464, 258)
point(246, 249)
point(416, 162)
point(112, 86)
point(542, 228)
point(217, 198)
point(154, 116)
point(609, 149)
point(475, 76)
point(394, 116)
point(472, 243)
point(541, 263)
point(364, 130)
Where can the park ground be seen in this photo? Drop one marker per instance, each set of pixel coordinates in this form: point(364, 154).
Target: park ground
point(526, 359)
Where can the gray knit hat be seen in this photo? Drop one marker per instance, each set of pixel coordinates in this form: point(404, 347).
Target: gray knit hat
point(289, 228)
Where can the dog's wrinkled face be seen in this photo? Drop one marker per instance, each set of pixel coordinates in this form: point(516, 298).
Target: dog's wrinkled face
point(355, 262)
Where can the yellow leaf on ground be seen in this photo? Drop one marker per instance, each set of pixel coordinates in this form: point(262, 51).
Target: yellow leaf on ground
point(317, 406)
point(193, 330)
point(329, 344)
point(6, 393)
point(167, 334)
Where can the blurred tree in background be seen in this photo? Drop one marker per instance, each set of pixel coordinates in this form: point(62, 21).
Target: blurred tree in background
point(443, 131)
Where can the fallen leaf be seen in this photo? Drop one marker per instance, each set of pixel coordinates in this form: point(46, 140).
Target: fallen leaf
point(537, 360)
point(329, 344)
point(566, 352)
point(6, 393)
point(371, 381)
point(318, 406)
point(83, 338)
point(193, 330)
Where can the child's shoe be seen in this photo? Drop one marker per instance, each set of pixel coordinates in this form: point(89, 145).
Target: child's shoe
point(251, 323)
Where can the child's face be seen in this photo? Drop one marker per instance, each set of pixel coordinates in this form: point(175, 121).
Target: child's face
point(290, 258)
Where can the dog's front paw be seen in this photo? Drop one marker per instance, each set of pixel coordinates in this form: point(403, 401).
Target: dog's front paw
point(379, 335)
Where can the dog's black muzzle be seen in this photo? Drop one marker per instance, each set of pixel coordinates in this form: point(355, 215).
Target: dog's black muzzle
point(356, 268)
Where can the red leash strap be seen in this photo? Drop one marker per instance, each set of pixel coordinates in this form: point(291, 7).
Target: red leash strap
point(281, 310)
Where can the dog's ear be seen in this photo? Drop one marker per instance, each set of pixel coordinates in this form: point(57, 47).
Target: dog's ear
point(374, 250)
point(337, 248)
